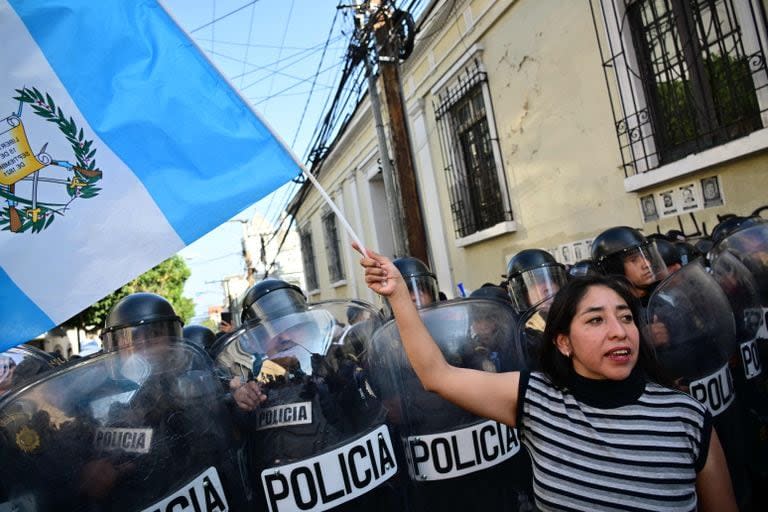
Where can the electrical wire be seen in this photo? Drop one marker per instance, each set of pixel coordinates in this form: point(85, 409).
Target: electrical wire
point(317, 73)
point(216, 20)
point(280, 51)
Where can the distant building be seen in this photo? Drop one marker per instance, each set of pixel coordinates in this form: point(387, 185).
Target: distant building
point(541, 124)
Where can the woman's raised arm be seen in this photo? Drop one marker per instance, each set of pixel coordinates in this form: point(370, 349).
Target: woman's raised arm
point(491, 395)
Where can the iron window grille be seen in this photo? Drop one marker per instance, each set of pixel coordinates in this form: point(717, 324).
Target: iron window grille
point(308, 259)
point(682, 75)
point(476, 181)
point(332, 249)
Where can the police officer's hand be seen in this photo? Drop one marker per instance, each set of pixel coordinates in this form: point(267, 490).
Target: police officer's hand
point(249, 395)
point(381, 275)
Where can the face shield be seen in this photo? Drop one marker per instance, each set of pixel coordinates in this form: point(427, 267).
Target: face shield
point(149, 356)
point(274, 304)
point(532, 287)
point(123, 337)
point(423, 290)
point(286, 345)
point(641, 265)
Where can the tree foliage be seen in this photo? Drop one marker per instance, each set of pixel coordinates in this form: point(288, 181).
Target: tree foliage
point(166, 279)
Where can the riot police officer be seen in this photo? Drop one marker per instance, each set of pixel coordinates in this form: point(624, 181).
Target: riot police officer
point(140, 317)
point(142, 426)
point(533, 277)
point(421, 282)
point(319, 422)
point(624, 251)
point(583, 268)
point(200, 336)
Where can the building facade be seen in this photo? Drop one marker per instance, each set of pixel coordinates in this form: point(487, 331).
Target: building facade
point(540, 124)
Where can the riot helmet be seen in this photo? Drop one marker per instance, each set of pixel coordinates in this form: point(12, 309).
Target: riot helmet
point(271, 299)
point(140, 317)
point(727, 226)
point(583, 268)
point(200, 336)
point(622, 250)
point(668, 252)
point(687, 252)
point(421, 282)
point(533, 276)
point(491, 291)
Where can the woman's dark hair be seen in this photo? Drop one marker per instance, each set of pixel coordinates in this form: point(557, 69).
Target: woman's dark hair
point(558, 367)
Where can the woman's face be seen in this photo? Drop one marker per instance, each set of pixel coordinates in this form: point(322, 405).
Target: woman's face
point(604, 341)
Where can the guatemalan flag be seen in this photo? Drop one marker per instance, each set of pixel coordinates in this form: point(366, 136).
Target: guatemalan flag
point(120, 143)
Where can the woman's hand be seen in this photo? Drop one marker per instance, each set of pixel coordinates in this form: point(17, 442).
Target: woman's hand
point(381, 275)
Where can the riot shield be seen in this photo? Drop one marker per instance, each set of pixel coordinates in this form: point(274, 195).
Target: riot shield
point(142, 428)
point(749, 377)
point(742, 293)
point(750, 246)
point(22, 365)
point(356, 321)
point(455, 460)
point(690, 323)
point(319, 441)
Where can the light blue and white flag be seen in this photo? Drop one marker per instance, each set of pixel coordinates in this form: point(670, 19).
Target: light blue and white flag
point(120, 143)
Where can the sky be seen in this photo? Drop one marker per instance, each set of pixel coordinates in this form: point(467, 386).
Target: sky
point(274, 52)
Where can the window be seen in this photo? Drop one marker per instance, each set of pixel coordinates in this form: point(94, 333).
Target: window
point(683, 75)
point(476, 180)
point(308, 259)
point(332, 250)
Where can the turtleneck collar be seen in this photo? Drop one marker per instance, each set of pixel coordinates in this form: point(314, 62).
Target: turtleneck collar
point(607, 394)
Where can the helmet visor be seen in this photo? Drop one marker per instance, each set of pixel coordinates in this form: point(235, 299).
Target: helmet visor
point(642, 265)
point(133, 334)
point(423, 290)
point(276, 303)
point(534, 286)
point(289, 341)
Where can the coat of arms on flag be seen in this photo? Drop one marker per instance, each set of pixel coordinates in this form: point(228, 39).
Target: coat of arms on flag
point(37, 186)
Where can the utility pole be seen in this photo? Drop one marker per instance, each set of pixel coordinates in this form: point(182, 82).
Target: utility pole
point(390, 188)
point(389, 54)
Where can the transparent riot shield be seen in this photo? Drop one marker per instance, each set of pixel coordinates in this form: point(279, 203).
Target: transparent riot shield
point(750, 246)
point(742, 293)
point(690, 323)
point(355, 323)
point(455, 460)
point(137, 429)
point(319, 441)
point(749, 375)
point(22, 365)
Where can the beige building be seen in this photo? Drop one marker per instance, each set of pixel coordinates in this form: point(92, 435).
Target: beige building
point(541, 123)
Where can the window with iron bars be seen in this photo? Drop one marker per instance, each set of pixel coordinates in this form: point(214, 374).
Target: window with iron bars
point(476, 180)
point(308, 259)
point(683, 75)
point(332, 247)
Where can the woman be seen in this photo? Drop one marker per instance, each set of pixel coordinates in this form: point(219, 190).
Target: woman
point(601, 433)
